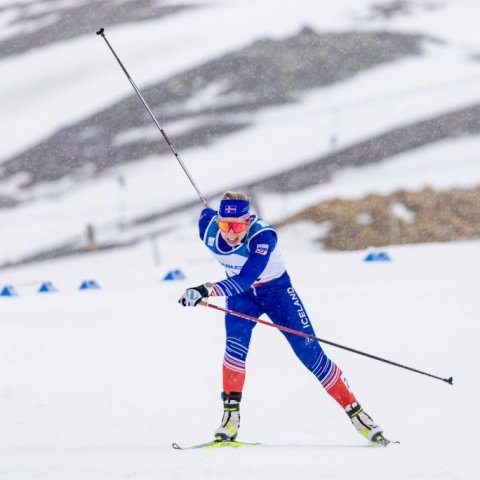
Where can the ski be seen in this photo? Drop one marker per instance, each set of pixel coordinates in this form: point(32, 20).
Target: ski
point(216, 444)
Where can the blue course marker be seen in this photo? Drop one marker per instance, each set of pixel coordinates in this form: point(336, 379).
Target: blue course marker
point(89, 285)
point(8, 291)
point(377, 257)
point(175, 275)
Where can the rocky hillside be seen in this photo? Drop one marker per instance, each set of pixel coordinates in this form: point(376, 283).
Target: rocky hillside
point(400, 218)
point(38, 23)
point(459, 123)
point(268, 72)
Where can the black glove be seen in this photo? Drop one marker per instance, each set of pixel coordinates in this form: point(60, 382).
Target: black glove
point(192, 296)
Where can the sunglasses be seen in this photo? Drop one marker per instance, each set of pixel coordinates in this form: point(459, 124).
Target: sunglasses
point(237, 227)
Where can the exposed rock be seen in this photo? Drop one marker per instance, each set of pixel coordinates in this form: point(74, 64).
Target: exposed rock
point(44, 23)
point(373, 221)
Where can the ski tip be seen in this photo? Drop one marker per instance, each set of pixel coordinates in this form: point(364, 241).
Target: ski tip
point(449, 380)
point(176, 446)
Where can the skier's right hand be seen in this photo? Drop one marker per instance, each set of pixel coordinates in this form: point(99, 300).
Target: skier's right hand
point(192, 296)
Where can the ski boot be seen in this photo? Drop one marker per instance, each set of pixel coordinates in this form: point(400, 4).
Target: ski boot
point(228, 430)
point(365, 425)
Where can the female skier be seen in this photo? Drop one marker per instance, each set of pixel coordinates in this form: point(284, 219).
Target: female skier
point(257, 283)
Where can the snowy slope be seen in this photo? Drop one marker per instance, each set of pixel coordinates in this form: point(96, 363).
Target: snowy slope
point(48, 88)
point(97, 384)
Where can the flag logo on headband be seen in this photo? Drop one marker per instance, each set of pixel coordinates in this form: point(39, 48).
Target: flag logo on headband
point(234, 208)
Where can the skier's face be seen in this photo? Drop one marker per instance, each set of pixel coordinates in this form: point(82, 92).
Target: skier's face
point(233, 230)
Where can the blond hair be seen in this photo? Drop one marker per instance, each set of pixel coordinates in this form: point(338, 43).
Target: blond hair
point(235, 196)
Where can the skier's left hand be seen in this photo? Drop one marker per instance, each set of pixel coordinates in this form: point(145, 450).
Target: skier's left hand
point(192, 296)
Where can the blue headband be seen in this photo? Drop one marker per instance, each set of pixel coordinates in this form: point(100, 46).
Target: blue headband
point(233, 208)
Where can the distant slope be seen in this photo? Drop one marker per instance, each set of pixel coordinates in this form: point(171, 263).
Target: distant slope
point(209, 101)
point(465, 121)
point(403, 217)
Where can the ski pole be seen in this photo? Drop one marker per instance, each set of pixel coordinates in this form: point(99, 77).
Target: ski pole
point(312, 337)
point(101, 32)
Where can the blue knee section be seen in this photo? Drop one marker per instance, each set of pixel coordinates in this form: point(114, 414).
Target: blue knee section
point(323, 367)
point(236, 349)
point(239, 330)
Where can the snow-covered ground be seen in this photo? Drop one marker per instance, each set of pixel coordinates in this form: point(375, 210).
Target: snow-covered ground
point(45, 89)
point(97, 384)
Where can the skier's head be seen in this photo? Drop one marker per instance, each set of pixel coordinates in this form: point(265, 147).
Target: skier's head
point(234, 217)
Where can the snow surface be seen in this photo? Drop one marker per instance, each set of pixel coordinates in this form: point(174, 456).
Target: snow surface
point(97, 384)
